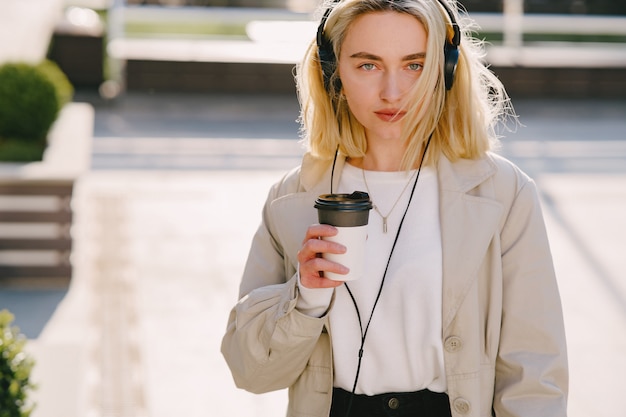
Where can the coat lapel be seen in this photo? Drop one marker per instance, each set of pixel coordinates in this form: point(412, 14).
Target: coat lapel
point(294, 213)
point(468, 224)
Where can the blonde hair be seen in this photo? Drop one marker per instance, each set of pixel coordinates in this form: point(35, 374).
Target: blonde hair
point(462, 121)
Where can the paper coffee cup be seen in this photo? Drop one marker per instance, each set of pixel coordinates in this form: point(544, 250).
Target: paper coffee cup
point(349, 213)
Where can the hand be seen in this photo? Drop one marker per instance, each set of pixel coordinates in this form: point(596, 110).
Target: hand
point(312, 265)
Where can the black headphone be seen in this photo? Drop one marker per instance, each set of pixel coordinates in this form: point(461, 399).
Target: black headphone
point(328, 61)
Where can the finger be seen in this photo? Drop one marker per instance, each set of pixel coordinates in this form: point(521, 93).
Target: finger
point(320, 282)
point(312, 264)
point(312, 273)
point(319, 230)
point(316, 267)
point(314, 246)
point(316, 279)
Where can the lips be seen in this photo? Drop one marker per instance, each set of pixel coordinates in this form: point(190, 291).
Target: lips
point(390, 115)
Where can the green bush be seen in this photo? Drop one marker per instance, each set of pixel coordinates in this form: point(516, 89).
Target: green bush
point(31, 97)
point(28, 102)
point(63, 87)
point(18, 150)
point(15, 368)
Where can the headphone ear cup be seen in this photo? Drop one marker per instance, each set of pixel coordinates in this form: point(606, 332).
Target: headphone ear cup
point(328, 62)
point(451, 59)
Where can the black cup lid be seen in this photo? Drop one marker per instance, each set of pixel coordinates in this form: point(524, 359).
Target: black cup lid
point(357, 201)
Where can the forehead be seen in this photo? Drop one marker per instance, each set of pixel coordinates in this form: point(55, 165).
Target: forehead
point(386, 31)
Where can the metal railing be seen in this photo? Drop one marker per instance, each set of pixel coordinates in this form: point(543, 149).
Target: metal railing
point(265, 26)
point(38, 248)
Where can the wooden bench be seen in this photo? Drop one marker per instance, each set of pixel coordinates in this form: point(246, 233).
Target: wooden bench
point(35, 232)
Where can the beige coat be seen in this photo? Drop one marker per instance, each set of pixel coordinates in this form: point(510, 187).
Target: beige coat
point(503, 335)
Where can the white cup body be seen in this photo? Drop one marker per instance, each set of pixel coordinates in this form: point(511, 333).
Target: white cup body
point(353, 238)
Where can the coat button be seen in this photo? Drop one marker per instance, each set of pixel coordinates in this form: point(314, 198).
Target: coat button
point(393, 403)
point(461, 406)
point(453, 344)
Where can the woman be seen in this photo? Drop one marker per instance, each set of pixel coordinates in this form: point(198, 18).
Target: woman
point(459, 312)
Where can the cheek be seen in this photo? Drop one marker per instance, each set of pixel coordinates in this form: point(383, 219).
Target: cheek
point(358, 96)
point(354, 83)
point(357, 103)
point(353, 95)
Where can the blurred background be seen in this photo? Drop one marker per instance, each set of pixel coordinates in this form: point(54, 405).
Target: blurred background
point(121, 247)
point(572, 48)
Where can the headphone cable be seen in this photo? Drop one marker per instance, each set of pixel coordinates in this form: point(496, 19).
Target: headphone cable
point(382, 282)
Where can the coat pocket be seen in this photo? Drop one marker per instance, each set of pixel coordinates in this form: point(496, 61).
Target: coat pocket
point(311, 394)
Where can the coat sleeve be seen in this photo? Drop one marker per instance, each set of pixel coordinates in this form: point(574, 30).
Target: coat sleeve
point(268, 342)
point(531, 367)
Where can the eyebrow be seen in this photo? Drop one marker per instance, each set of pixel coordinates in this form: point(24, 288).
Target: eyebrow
point(366, 55)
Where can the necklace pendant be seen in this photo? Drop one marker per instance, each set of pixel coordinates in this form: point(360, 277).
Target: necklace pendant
point(384, 225)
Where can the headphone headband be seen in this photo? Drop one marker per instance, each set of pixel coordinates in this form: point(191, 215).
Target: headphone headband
point(456, 38)
point(328, 61)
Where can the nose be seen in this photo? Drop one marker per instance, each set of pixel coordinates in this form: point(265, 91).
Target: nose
point(391, 89)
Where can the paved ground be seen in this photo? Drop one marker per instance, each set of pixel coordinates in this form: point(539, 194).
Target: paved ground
point(157, 262)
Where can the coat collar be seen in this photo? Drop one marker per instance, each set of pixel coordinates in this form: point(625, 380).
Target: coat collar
point(462, 175)
point(315, 174)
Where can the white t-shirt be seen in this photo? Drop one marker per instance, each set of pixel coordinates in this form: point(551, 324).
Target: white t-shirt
point(403, 349)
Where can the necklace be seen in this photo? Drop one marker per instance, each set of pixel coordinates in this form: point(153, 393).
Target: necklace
point(394, 204)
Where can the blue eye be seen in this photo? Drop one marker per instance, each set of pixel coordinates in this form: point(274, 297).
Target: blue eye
point(368, 66)
point(415, 66)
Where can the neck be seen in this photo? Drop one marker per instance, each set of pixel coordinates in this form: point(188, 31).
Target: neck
point(388, 160)
point(380, 158)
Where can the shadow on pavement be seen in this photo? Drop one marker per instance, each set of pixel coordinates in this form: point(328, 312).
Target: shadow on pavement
point(32, 308)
